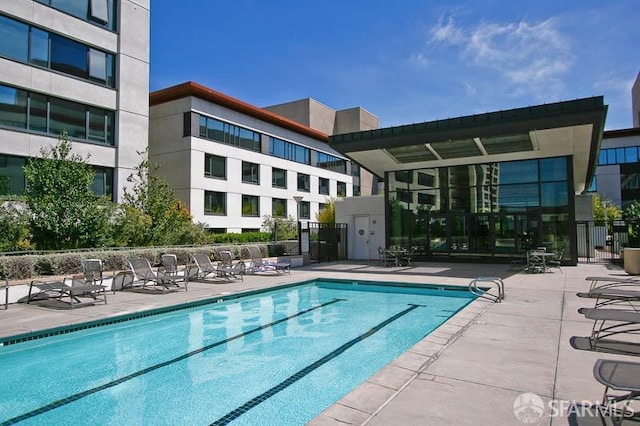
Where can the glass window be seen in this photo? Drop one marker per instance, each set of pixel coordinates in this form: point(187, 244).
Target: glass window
point(215, 203)
point(13, 107)
point(620, 156)
point(278, 207)
point(342, 189)
point(323, 186)
point(631, 154)
point(602, 157)
point(331, 162)
point(250, 205)
point(39, 47)
point(77, 8)
point(103, 182)
point(305, 210)
point(594, 185)
point(554, 194)
point(12, 179)
point(518, 197)
point(38, 112)
point(68, 56)
point(14, 39)
point(611, 156)
point(553, 169)
point(278, 178)
point(426, 179)
point(97, 64)
point(304, 182)
point(97, 125)
point(100, 10)
point(215, 166)
point(321, 206)
point(67, 116)
point(250, 172)
point(518, 172)
point(289, 151)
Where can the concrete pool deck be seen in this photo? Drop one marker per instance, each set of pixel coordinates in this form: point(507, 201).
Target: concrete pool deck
point(469, 371)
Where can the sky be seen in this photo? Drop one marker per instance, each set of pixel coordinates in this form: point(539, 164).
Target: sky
point(406, 61)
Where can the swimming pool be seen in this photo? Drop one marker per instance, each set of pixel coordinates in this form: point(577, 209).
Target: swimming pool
point(275, 357)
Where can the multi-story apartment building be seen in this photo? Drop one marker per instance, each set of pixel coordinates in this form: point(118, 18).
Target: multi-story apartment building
point(233, 163)
point(77, 66)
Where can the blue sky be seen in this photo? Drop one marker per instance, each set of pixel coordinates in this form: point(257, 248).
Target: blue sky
point(406, 61)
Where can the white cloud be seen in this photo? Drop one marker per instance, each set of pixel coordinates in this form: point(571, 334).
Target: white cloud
point(531, 57)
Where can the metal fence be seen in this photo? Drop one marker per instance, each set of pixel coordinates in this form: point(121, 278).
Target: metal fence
point(324, 242)
point(602, 241)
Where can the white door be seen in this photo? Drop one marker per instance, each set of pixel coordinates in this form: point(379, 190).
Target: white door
point(361, 251)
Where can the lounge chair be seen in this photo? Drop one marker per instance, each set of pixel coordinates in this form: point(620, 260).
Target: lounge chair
point(257, 264)
point(145, 274)
point(612, 296)
point(74, 290)
point(171, 268)
point(612, 281)
point(92, 271)
point(611, 322)
point(206, 268)
point(234, 270)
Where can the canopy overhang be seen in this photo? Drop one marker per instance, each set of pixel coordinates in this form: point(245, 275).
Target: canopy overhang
point(571, 128)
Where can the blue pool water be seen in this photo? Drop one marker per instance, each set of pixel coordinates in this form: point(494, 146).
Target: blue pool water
point(273, 358)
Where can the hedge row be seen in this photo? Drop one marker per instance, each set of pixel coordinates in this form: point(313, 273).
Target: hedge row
point(31, 266)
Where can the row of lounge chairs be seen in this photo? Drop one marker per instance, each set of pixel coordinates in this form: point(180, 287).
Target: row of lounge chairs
point(142, 276)
point(616, 329)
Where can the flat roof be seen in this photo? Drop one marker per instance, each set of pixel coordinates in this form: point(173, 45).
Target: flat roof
point(564, 128)
point(196, 90)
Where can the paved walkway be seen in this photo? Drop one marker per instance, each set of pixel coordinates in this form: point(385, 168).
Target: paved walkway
point(470, 371)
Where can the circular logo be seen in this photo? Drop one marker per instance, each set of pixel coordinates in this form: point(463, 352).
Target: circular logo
point(528, 408)
point(361, 232)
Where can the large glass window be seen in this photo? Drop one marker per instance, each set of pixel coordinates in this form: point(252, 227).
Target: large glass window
point(14, 39)
point(12, 179)
point(518, 172)
point(250, 205)
point(13, 107)
point(29, 44)
point(289, 151)
point(250, 172)
point(220, 131)
point(323, 186)
point(98, 12)
point(67, 116)
point(278, 207)
point(331, 162)
point(342, 189)
point(304, 182)
point(278, 178)
point(215, 166)
point(305, 210)
point(215, 203)
point(52, 115)
point(103, 182)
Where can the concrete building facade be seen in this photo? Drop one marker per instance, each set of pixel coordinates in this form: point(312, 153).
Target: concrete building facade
point(318, 116)
point(233, 163)
point(617, 176)
point(81, 67)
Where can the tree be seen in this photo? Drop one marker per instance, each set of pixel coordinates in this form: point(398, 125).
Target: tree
point(14, 222)
point(328, 214)
point(605, 209)
point(632, 216)
point(161, 219)
point(65, 212)
point(280, 228)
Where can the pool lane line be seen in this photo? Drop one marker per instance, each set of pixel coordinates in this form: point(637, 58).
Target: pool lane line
point(232, 415)
point(59, 403)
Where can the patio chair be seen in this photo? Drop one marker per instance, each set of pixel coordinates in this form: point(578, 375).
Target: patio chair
point(74, 290)
point(257, 264)
point(205, 268)
point(234, 270)
point(171, 268)
point(92, 271)
point(145, 274)
point(611, 322)
point(612, 281)
point(612, 296)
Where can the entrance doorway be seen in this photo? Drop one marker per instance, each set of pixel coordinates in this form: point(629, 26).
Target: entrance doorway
point(361, 244)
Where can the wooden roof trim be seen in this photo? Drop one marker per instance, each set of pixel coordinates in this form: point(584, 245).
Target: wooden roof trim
point(191, 88)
